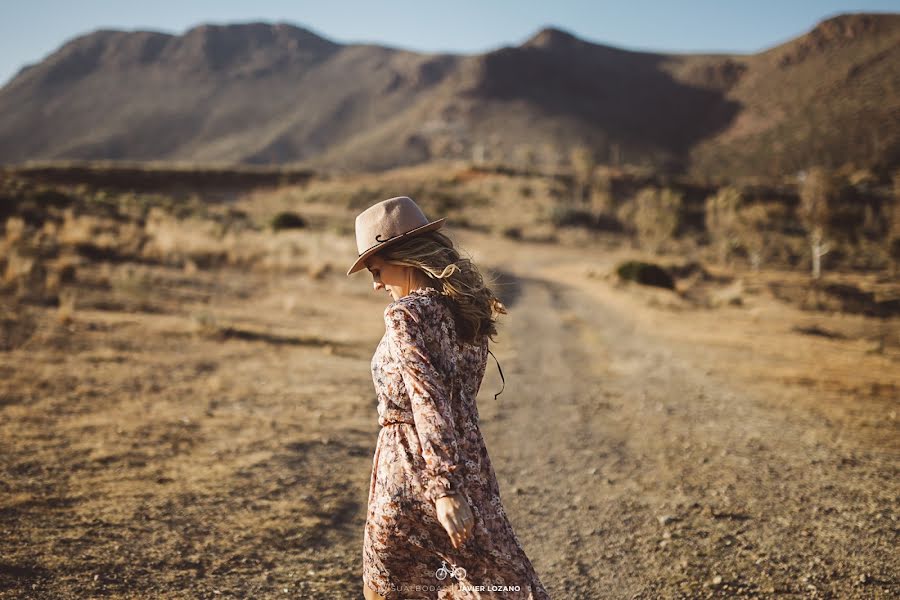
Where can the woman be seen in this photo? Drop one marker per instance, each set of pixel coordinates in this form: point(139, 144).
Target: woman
point(435, 527)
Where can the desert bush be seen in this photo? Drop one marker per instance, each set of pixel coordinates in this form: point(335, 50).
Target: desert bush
point(287, 220)
point(65, 312)
point(583, 160)
point(320, 270)
point(721, 219)
point(601, 197)
point(514, 233)
point(526, 157)
point(655, 215)
point(171, 241)
point(17, 324)
point(646, 274)
point(752, 234)
point(737, 226)
point(568, 216)
point(893, 236)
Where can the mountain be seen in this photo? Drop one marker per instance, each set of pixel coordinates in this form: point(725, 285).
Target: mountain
point(262, 93)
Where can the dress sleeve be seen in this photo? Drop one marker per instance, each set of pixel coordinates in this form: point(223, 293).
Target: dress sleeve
point(430, 400)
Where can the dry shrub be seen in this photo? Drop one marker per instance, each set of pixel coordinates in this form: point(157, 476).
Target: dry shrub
point(175, 241)
point(654, 214)
point(753, 222)
point(320, 271)
point(65, 312)
point(17, 325)
point(721, 219)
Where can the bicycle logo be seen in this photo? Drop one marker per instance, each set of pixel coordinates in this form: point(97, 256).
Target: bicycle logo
point(455, 572)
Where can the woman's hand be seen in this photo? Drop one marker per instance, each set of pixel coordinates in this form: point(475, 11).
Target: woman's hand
point(455, 515)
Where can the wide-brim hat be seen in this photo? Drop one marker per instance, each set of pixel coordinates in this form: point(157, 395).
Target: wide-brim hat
point(386, 223)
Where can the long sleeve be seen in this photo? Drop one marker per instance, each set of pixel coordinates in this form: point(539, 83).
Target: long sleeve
point(430, 401)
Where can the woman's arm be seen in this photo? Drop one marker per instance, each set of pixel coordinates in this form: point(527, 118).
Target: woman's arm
point(430, 400)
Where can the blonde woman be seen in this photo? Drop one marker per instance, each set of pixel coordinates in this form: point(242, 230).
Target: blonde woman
point(435, 527)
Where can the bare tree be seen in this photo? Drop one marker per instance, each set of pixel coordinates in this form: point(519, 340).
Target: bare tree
point(817, 190)
point(753, 222)
point(583, 163)
point(615, 154)
point(893, 237)
point(478, 153)
point(721, 217)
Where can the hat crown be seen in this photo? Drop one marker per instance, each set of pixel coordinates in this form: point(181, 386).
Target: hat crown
point(387, 219)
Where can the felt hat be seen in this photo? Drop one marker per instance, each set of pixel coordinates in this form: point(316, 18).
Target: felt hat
point(386, 223)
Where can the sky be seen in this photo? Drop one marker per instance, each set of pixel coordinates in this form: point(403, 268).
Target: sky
point(30, 30)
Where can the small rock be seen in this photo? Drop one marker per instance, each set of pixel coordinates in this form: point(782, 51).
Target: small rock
point(666, 519)
point(717, 580)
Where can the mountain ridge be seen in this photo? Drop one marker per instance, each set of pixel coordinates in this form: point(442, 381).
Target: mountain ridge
point(260, 93)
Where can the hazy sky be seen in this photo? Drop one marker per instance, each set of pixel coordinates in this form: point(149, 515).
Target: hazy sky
point(32, 29)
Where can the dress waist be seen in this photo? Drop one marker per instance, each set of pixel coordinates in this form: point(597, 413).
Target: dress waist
point(388, 422)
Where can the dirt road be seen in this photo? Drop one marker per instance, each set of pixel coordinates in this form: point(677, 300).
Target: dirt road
point(644, 470)
point(220, 445)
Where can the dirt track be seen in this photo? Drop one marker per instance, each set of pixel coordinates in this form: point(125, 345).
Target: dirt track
point(659, 475)
point(637, 458)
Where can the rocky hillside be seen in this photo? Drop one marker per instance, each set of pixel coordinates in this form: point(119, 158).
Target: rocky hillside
point(275, 93)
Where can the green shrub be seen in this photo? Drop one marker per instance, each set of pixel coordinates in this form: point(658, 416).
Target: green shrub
point(513, 233)
point(287, 220)
point(646, 274)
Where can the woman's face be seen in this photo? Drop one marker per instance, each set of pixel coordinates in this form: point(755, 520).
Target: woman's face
point(393, 279)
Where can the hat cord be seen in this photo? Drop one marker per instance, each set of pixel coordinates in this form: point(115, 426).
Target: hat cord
point(501, 375)
point(380, 241)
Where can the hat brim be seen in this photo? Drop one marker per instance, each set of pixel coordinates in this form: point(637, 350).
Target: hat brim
point(360, 262)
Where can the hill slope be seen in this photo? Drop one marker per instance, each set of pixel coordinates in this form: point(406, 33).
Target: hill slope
point(275, 93)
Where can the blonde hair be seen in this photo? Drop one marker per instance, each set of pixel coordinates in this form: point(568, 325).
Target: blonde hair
point(474, 303)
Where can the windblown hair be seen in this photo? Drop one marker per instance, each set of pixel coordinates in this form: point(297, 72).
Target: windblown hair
point(458, 278)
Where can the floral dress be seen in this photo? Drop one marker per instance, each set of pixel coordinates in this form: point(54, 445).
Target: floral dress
point(430, 446)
